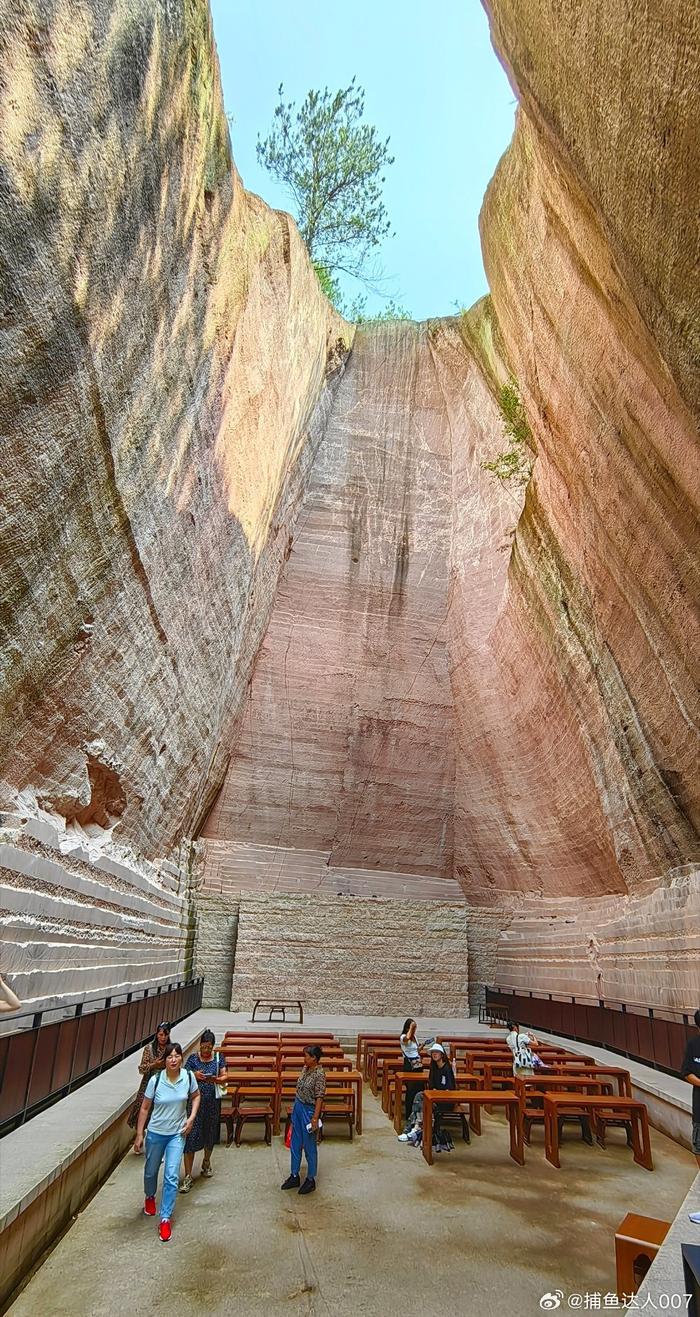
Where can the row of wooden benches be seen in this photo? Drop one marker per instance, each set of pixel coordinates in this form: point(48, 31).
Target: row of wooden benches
point(572, 1086)
point(262, 1073)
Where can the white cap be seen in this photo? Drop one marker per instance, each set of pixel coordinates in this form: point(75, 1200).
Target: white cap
point(437, 1047)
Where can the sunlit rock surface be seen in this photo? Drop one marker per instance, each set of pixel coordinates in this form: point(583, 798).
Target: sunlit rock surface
point(168, 361)
point(459, 680)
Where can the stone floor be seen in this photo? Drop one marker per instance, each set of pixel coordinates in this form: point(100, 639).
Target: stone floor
point(384, 1234)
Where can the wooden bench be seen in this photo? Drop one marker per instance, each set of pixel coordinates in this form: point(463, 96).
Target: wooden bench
point(476, 1098)
point(601, 1110)
point(363, 1039)
point(256, 1101)
point(536, 1086)
point(275, 1007)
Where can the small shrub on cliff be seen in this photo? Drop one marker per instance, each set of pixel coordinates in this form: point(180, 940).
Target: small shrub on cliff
point(331, 165)
point(513, 466)
point(392, 311)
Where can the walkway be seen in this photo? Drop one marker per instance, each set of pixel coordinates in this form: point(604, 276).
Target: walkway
point(383, 1235)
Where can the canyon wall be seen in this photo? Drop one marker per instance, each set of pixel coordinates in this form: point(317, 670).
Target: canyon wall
point(168, 363)
point(641, 948)
point(459, 680)
point(80, 921)
point(591, 250)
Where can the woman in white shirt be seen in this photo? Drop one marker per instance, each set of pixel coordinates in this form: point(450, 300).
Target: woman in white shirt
point(520, 1042)
point(165, 1102)
point(411, 1059)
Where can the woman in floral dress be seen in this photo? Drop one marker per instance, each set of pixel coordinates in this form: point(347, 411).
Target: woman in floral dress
point(151, 1062)
point(209, 1068)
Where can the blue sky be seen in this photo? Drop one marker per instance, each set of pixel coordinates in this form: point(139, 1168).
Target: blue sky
point(433, 85)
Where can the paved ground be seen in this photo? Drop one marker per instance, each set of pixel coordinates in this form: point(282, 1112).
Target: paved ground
point(383, 1235)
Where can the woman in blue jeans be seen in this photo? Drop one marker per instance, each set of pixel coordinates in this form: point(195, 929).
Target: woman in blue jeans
point(165, 1100)
point(306, 1112)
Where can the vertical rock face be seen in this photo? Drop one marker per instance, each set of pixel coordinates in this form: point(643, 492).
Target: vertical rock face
point(347, 742)
point(168, 362)
point(611, 91)
point(591, 290)
point(458, 680)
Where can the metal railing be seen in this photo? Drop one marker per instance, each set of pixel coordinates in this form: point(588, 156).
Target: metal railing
point(654, 1035)
point(44, 1062)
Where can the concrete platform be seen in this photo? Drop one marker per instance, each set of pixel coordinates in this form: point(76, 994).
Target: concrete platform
point(384, 1234)
point(666, 1274)
point(54, 1163)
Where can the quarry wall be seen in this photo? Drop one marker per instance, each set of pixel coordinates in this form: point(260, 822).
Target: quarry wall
point(241, 545)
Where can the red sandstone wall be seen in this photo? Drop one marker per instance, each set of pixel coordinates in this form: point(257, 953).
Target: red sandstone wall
point(164, 345)
point(346, 743)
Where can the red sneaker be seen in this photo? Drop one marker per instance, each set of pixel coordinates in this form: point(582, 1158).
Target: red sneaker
point(149, 1207)
point(165, 1231)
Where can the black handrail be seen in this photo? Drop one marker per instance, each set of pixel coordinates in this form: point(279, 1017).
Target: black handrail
point(634, 1029)
point(99, 1000)
point(539, 994)
point(45, 1062)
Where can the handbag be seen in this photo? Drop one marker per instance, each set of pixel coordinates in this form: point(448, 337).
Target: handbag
point(220, 1089)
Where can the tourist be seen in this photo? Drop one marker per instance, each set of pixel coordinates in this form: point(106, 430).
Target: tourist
point(521, 1041)
point(306, 1114)
point(151, 1063)
point(411, 1059)
point(690, 1070)
point(441, 1076)
point(526, 1062)
point(9, 1001)
point(209, 1069)
point(164, 1109)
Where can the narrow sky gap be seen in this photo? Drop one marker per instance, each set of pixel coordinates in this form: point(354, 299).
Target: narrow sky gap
point(433, 84)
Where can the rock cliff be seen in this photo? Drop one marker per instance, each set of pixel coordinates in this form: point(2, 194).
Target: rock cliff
point(168, 362)
point(458, 679)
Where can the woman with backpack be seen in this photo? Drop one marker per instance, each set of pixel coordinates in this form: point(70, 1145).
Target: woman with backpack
point(209, 1069)
point(521, 1042)
point(164, 1110)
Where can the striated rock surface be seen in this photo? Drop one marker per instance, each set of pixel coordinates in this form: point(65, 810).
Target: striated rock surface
point(168, 362)
point(77, 920)
point(350, 956)
point(642, 948)
point(348, 740)
point(612, 93)
point(457, 680)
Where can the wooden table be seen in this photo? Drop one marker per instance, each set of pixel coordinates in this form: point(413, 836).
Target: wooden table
point(476, 1098)
point(615, 1072)
point(612, 1108)
point(275, 1007)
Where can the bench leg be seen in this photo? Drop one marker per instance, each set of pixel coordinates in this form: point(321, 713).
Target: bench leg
point(517, 1151)
point(551, 1140)
point(640, 1139)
